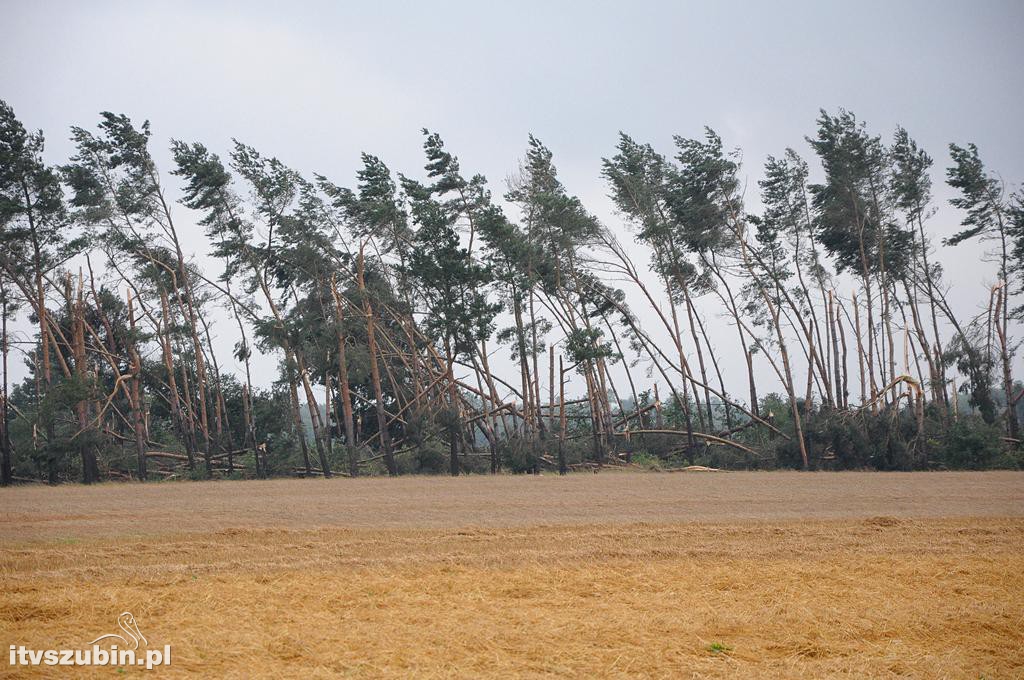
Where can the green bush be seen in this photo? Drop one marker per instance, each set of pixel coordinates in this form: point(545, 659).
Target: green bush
point(728, 458)
point(646, 461)
point(521, 455)
point(843, 440)
point(432, 458)
point(970, 444)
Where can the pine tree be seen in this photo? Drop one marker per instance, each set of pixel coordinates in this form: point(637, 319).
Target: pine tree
point(983, 198)
point(450, 281)
point(34, 221)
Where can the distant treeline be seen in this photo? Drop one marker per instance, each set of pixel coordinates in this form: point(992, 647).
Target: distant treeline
point(383, 304)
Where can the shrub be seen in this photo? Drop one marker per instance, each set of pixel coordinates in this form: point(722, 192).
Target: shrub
point(970, 444)
point(431, 459)
point(646, 461)
point(521, 455)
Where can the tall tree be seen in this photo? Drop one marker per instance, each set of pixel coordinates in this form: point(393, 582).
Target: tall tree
point(34, 225)
point(450, 281)
point(983, 198)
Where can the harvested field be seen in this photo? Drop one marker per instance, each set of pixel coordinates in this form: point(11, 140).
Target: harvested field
point(609, 575)
point(36, 512)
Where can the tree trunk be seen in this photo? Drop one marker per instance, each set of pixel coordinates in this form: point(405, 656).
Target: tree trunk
point(172, 384)
point(345, 389)
point(700, 360)
point(1002, 324)
point(378, 392)
point(314, 415)
point(562, 467)
point(864, 397)
point(86, 448)
point(6, 474)
point(136, 396)
point(300, 429)
point(454, 432)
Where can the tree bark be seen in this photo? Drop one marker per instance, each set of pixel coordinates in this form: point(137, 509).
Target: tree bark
point(378, 392)
point(136, 396)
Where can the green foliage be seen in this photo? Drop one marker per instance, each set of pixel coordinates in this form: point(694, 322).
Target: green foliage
point(967, 353)
point(841, 440)
point(970, 444)
point(198, 473)
point(585, 346)
point(729, 458)
point(647, 461)
point(557, 221)
point(680, 209)
point(852, 221)
point(980, 195)
point(34, 220)
point(1016, 234)
point(703, 191)
point(637, 175)
point(431, 459)
point(911, 184)
point(521, 455)
point(272, 417)
point(439, 259)
point(989, 214)
point(890, 440)
point(373, 211)
point(452, 283)
point(208, 189)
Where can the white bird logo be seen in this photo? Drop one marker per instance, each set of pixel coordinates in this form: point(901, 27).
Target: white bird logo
point(126, 622)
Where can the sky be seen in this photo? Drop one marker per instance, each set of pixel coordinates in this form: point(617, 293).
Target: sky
point(316, 83)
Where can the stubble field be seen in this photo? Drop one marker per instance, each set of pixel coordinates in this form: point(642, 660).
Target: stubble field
point(610, 575)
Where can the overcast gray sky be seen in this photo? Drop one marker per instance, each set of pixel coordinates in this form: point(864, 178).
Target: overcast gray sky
point(315, 83)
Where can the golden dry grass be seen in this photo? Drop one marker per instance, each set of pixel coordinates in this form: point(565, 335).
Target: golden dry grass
point(887, 593)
